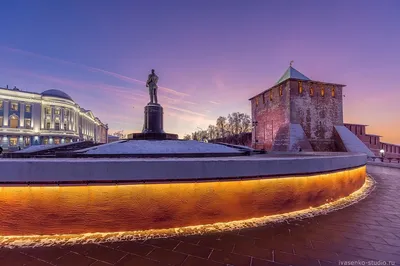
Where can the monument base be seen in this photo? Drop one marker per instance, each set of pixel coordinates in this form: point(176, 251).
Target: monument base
point(153, 118)
point(153, 125)
point(152, 136)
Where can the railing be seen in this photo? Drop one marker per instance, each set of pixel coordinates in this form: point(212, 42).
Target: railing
point(384, 159)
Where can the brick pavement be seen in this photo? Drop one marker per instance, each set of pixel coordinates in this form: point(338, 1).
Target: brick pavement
point(369, 230)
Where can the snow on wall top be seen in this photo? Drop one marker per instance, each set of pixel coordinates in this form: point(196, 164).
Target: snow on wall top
point(351, 141)
point(159, 147)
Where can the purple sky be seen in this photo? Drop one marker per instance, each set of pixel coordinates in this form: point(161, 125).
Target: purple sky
point(211, 56)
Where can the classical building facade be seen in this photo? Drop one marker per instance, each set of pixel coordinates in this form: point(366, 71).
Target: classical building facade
point(50, 117)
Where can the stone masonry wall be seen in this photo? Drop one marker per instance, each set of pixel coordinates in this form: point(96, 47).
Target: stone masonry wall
point(272, 115)
point(317, 111)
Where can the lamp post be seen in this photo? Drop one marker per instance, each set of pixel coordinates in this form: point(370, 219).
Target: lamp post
point(382, 152)
point(254, 125)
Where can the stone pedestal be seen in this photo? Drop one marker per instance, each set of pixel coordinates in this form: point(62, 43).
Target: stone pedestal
point(153, 119)
point(153, 125)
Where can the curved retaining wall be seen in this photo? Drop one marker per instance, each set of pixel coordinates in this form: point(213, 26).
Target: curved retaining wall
point(66, 209)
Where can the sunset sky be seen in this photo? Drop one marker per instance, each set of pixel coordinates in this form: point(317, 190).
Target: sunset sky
point(211, 56)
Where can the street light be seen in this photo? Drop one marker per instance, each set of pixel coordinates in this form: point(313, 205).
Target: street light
point(254, 124)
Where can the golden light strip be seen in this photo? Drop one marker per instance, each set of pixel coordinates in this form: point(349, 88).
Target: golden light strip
point(70, 239)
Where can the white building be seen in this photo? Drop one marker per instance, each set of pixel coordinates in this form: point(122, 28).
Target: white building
point(50, 117)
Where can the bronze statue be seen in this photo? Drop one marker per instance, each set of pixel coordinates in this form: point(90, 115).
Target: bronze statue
point(152, 85)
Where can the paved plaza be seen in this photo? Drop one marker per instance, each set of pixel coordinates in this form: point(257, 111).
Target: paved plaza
point(366, 231)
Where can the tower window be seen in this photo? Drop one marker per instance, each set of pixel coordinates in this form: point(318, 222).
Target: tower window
point(27, 108)
point(47, 110)
point(280, 90)
point(57, 111)
point(300, 87)
point(311, 91)
point(333, 91)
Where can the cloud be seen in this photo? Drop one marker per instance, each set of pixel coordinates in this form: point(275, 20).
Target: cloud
point(214, 102)
point(183, 110)
point(95, 69)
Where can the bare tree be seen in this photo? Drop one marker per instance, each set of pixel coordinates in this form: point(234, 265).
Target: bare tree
point(221, 126)
point(212, 132)
point(187, 137)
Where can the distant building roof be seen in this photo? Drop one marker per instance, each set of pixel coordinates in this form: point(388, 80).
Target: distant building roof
point(291, 73)
point(352, 124)
point(373, 135)
point(56, 93)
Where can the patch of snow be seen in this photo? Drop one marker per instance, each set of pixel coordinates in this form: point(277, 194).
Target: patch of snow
point(351, 141)
point(36, 148)
point(298, 138)
point(159, 147)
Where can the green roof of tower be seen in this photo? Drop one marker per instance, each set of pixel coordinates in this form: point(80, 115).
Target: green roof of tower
point(291, 73)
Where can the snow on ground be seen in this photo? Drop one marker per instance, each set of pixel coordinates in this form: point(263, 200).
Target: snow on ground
point(36, 148)
point(159, 147)
point(352, 142)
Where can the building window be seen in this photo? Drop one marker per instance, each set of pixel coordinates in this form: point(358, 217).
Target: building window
point(28, 108)
point(280, 90)
point(45, 141)
point(47, 110)
point(1, 105)
point(14, 121)
point(370, 140)
point(333, 91)
point(300, 87)
point(65, 126)
point(13, 141)
point(322, 92)
point(47, 125)
point(263, 98)
point(27, 141)
point(57, 125)
point(57, 111)
point(376, 140)
point(27, 123)
point(14, 106)
point(1, 121)
point(56, 141)
point(270, 95)
point(311, 91)
point(256, 101)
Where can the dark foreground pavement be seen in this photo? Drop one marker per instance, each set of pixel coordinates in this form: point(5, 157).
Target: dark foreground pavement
point(367, 232)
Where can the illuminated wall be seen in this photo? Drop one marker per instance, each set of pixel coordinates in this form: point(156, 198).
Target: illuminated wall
point(27, 210)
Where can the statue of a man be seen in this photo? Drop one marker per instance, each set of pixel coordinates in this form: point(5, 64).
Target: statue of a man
point(152, 85)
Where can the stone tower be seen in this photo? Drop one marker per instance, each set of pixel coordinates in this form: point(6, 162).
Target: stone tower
point(298, 112)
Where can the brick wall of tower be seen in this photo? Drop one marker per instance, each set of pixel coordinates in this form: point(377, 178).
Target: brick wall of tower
point(272, 116)
point(317, 110)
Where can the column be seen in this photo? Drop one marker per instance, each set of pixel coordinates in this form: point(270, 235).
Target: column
point(6, 106)
point(21, 115)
